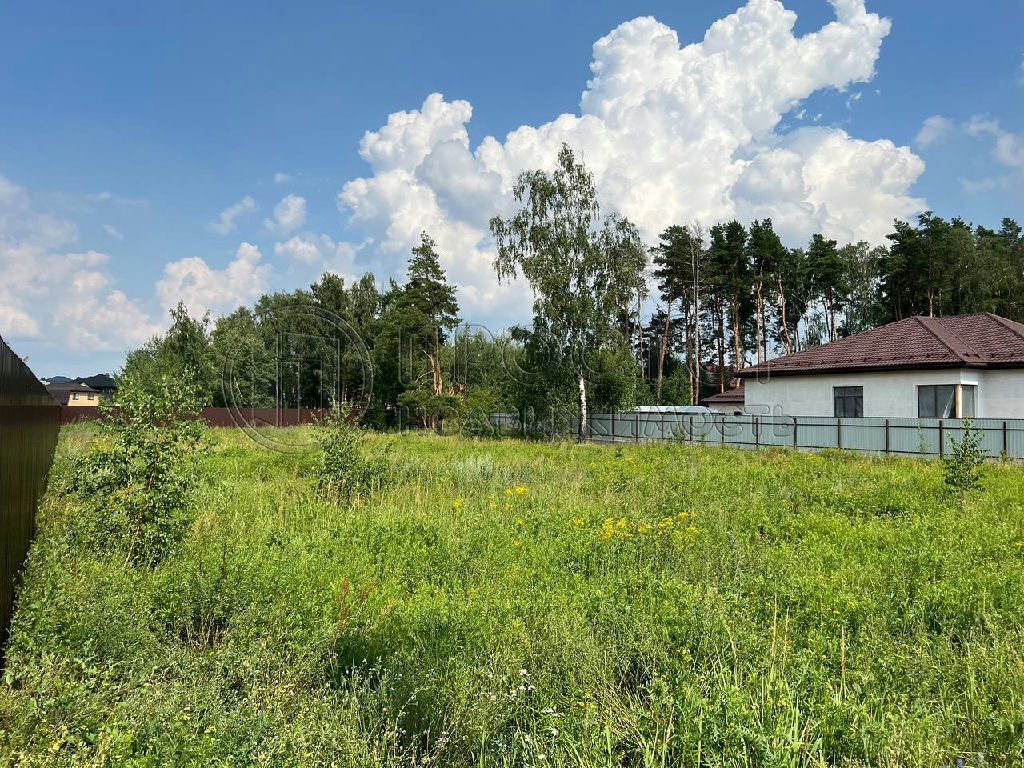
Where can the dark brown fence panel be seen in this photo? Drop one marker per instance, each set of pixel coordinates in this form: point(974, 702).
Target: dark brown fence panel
point(218, 417)
point(69, 414)
point(29, 422)
point(262, 417)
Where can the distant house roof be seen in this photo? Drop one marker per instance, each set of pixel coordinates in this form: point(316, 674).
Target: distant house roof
point(730, 396)
point(961, 341)
point(670, 409)
point(62, 392)
point(99, 381)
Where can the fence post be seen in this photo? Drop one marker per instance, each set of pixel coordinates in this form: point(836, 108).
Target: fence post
point(1006, 442)
point(613, 424)
point(757, 431)
point(941, 440)
point(886, 437)
point(839, 433)
point(722, 433)
point(636, 429)
point(796, 425)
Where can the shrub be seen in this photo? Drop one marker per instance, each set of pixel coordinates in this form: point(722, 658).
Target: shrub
point(344, 469)
point(962, 464)
point(137, 481)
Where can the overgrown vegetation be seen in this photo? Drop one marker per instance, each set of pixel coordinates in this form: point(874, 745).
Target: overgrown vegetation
point(135, 483)
point(345, 468)
point(514, 604)
point(964, 462)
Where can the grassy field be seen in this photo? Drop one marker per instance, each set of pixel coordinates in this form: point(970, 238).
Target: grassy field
point(507, 603)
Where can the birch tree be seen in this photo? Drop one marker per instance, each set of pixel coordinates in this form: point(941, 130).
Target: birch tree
point(581, 268)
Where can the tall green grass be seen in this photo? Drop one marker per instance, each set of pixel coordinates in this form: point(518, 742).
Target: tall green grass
point(517, 604)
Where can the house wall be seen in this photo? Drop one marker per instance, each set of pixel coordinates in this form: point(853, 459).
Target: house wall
point(727, 408)
point(87, 399)
point(1001, 394)
point(886, 394)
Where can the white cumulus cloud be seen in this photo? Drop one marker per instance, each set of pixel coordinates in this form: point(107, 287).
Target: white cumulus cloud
point(320, 251)
point(932, 130)
point(672, 132)
point(225, 222)
point(289, 215)
point(203, 288)
point(48, 290)
point(1008, 148)
point(300, 249)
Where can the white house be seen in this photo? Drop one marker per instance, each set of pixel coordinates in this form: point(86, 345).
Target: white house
point(967, 366)
point(729, 402)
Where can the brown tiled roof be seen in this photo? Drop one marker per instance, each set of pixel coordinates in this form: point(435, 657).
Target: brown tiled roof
point(62, 392)
point(961, 341)
point(734, 395)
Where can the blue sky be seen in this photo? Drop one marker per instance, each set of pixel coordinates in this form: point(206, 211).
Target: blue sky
point(127, 129)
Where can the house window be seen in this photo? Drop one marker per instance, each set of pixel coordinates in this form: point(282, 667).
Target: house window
point(968, 401)
point(947, 401)
point(74, 395)
point(92, 397)
point(849, 402)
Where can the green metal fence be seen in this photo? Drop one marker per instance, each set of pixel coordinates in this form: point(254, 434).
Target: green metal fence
point(29, 422)
point(906, 437)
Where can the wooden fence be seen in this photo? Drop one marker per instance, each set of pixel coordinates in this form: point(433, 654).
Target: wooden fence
point(29, 422)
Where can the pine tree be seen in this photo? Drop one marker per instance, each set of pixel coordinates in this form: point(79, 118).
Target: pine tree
point(765, 250)
point(828, 276)
point(427, 311)
point(671, 259)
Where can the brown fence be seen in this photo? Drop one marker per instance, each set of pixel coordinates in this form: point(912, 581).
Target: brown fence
point(29, 422)
point(219, 417)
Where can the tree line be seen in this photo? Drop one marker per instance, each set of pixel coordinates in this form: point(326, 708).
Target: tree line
point(724, 297)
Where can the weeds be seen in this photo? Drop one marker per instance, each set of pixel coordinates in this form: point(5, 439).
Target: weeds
point(517, 604)
point(345, 468)
point(137, 481)
point(963, 463)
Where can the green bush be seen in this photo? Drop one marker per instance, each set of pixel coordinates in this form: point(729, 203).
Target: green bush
point(962, 465)
point(136, 482)
point(345, 469)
